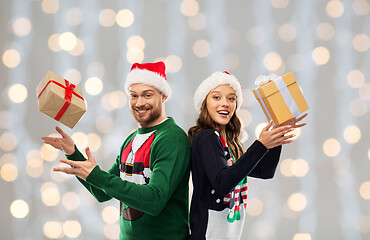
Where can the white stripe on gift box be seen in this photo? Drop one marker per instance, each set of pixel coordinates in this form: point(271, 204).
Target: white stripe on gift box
point(288, 99)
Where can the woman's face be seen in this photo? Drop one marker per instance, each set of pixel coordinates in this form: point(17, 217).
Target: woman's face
point(221, 104)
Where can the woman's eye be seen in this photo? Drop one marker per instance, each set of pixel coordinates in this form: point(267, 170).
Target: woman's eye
point(216, 97)
point(148, 95)
point(232, 99)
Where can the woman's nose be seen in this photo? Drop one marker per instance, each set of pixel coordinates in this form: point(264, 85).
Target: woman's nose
point(224, 102)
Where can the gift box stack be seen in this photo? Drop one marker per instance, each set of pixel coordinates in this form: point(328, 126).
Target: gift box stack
point(60, 99)
point(281, 98)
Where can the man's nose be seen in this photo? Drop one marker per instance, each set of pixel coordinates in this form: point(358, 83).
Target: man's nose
point(140, 102)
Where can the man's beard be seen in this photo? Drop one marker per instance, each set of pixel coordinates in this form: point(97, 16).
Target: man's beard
point(154, 114)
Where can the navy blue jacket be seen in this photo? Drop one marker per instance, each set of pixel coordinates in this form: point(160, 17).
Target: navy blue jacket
point(211, 172)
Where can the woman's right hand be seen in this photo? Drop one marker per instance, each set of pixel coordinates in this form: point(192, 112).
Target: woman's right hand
point(275, 137)
point(65, 143)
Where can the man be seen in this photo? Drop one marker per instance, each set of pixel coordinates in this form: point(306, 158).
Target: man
point(150, 175)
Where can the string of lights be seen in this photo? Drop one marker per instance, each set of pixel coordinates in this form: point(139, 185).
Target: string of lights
point(321, 189)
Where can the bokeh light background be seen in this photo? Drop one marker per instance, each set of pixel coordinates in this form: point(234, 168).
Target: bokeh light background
point(321, 189)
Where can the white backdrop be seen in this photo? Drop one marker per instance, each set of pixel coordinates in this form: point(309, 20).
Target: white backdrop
point(321, 189)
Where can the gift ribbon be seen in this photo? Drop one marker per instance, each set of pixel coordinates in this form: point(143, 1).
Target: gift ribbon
point(67, 96)
point(288, 99)
point(262, 79)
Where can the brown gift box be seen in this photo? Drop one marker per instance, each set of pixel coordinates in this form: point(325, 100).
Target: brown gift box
point(281, 99)
point(60, 99)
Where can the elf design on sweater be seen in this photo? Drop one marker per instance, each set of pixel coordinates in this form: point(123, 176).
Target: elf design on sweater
point(238, 196)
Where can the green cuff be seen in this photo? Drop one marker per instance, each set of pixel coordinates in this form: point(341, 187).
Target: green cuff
point(77, 155)
point(95, 177)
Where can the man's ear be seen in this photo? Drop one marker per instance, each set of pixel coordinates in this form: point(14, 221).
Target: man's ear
point(164, 98)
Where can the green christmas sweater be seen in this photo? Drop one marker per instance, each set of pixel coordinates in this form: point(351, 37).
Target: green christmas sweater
point(150, 179)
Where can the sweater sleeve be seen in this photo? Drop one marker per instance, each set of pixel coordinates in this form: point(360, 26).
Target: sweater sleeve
point(170, 164)
point(99, 195)
point(267, 166)
point(223, 178)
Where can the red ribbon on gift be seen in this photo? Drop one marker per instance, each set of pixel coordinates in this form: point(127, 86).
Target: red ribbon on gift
point(67, 96)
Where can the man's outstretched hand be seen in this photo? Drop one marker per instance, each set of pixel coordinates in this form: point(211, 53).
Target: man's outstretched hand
point(65, 143)
point(81, 169)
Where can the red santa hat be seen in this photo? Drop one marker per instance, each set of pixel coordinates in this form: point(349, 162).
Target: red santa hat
point(213, 81)
point(152, 74)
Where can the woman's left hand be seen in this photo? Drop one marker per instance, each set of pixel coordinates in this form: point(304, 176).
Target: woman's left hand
point(293, 122)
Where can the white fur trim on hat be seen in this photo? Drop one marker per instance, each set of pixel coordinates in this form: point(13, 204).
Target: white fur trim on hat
point(216, 79)
point(149, 78)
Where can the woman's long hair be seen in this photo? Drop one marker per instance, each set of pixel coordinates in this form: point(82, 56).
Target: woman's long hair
point(232, 130)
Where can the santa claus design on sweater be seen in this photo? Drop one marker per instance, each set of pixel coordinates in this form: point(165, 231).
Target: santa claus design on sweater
point(135, 167)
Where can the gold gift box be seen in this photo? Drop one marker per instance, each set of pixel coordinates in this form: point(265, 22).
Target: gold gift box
point(281, 99)
point(60, 99)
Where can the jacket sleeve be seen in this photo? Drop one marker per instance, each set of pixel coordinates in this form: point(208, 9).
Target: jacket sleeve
point(99, 195)
point(170, 164)
point(267, 166)
point(208, 149)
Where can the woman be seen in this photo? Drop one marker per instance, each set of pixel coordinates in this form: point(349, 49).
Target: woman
point(220, 182)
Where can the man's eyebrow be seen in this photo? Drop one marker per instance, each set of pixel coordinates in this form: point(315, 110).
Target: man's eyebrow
point(145, 91)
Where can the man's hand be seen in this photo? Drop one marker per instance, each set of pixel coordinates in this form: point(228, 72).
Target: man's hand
point(81, 169)
point(65, 143)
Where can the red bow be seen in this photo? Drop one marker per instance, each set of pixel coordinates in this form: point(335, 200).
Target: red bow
point(67, 96)
point(69, 90)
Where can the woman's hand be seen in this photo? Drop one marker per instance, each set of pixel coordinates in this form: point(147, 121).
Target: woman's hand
point(65, 143)
point(275, 137)
point(293, 122)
